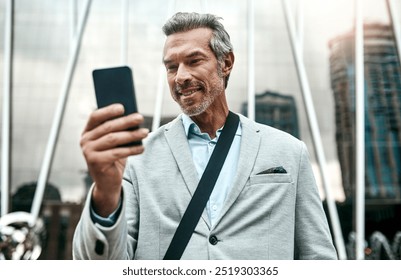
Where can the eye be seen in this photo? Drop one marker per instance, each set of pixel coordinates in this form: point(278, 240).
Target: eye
point(195, 61)
point(171, 68)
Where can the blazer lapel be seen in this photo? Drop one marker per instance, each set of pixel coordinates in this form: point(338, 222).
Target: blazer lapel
point(250, 142)
point(177, 140)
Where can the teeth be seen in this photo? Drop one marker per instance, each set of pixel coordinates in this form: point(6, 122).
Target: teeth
point(189, 93)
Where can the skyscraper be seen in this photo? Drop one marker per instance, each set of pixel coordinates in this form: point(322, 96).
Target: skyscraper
point(276, 110)
point(382, 111)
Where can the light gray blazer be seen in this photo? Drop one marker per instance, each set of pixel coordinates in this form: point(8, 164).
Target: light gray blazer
point(268, 216)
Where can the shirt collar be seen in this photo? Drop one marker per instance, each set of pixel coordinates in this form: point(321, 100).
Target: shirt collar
point(191, 127)
point(188, 123)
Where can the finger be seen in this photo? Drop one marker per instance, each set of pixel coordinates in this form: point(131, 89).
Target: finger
point(113, 125)
point(104, 114)
point(112, 155)
point(116, 139)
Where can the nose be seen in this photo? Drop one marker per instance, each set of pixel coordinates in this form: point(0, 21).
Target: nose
point(182, 75)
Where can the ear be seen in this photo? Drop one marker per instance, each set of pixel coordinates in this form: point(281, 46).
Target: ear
point(228, 64)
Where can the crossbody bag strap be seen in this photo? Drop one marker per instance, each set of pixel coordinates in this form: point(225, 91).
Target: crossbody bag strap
point(205, 187)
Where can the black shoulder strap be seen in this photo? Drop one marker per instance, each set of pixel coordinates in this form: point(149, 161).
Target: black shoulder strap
point(201, 196)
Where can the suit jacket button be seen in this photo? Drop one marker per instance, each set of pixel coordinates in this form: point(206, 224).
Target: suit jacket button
point(213, 240)
point(99, 247)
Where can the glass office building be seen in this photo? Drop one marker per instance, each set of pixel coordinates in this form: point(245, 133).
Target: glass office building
point(382, 114)
point(277, 110)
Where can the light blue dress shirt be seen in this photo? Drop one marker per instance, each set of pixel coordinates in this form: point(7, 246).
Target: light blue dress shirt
point(201, 147)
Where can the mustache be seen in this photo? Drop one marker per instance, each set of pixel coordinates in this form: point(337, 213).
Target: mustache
point(186, 85)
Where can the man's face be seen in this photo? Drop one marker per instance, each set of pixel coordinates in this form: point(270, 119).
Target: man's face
point(193, 72)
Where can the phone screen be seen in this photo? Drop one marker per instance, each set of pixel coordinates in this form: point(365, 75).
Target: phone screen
point(115, 85)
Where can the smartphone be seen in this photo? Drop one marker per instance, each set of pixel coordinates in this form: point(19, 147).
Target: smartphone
point(116, 85)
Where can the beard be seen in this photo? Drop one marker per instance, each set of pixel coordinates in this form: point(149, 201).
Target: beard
point(192, 108)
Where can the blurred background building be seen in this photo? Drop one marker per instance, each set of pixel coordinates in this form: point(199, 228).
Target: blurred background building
point(44, 31)
point(383, 111)
point(382, 125)
point(277, 110)
point(43, 36)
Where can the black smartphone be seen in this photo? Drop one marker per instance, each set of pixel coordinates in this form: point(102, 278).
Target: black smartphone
point(116, 85)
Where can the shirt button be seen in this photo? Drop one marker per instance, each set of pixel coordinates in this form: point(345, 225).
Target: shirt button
point(214, 207)
point(213, 240)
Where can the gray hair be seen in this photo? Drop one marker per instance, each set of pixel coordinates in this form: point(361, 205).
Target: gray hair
point(220, 42)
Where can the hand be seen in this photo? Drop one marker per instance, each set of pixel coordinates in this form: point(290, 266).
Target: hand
point(101, 140)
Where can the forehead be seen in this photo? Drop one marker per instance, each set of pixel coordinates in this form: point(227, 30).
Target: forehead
point(188, 41)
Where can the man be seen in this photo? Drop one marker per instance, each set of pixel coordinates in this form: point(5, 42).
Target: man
point(265, 203)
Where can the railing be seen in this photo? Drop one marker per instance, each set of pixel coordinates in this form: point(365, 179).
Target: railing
point(377, 248)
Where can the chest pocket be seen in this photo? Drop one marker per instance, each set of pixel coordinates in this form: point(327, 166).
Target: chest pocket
point(269, 179)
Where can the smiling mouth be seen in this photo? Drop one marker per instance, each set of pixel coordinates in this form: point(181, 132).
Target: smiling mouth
point(188, 92)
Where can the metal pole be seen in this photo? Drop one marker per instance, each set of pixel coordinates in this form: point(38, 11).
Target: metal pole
point(6, 128)
point(251, 60)
point(160, 86)
point(312, 119)
point(159, 99)
point(55, 129)
point(395, 23)
point(124, 31)
point(360, 132)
